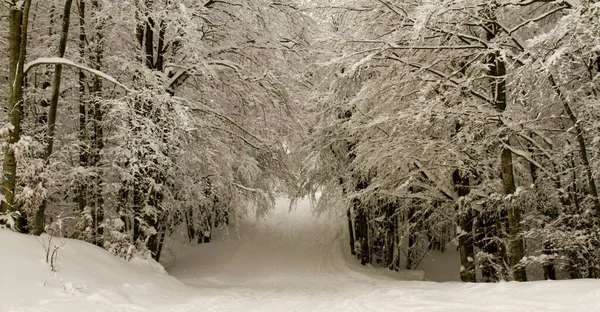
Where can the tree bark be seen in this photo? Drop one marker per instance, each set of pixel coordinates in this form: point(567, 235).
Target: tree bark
point(149, 37)
point(549, 270)
point(161, 241)
point(189, 223)
point(516, 245)
point(18, 19)
point(83, 150)
point(160, 48)
point(351, 230)
point(40, 215)
point(465, 237)
point(466, 248)
point(391, 217)
point(497, 72)
point(97, 136)
point(411, 238)
point(363, 233)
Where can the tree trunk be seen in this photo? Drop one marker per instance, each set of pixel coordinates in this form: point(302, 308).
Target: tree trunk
point(149, 40)
point(351, 230)
point(138, 204)
point(189, 222)
point(40, 215)
point(123, 210)
point(465, 237)
point(549, 270)
point(361, 234)
point(160, 48)
point(153, 221)
point(364, 238)
point(18, 20)
point(497, 72)
point(83, 150)
point(465, 243)
point(98, 131)
point(161, 241)
point(516, 245)
point(411, 238)
point(390, 244)
point(486, 234)
point(145, 37)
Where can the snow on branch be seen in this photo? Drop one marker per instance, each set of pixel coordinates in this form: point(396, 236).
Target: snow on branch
point(338, 7)
point(567, 3)
point(185, 72)
point(445, 77)
point(227, 119)
point(66, 62)
point(442, 188)
point(360, 63)
point(233, 134)
point(527, 157)
point(538, 18)
point(248, 189)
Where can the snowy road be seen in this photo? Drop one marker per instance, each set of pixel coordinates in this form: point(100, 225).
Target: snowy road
point(291, 261)
point(288, 262)
point(297, 262)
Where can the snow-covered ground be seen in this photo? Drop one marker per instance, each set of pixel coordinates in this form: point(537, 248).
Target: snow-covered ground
point(288, 262)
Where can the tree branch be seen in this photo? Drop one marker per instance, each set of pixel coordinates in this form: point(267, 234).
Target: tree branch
point(66, 62)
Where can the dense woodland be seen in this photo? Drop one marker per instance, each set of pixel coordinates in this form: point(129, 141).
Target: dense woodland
point(465, 124)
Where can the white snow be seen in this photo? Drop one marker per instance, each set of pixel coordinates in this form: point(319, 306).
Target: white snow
point(288, 262)
point(67, 62)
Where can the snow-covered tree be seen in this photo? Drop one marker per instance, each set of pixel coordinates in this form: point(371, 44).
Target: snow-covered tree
point(429, 106)
point(196, 130)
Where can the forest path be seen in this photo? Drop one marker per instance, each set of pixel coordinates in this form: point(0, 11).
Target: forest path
point(291, 259)
point(294, 261)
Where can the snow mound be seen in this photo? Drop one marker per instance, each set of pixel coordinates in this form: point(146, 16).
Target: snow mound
point(86, 277)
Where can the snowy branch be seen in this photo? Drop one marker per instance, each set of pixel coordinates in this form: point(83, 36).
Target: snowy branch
point(526, 156)
point(444, 190)
point(66, 62)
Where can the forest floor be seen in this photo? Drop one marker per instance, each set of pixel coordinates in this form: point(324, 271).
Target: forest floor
point(290, 261)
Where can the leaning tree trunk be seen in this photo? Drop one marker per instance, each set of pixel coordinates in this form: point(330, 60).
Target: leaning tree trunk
point(17, 40)
point(40, 215)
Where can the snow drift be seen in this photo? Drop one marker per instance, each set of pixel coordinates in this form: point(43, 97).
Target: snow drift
point(86, 278)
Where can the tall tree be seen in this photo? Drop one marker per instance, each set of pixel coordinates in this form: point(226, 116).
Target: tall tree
point(40, 216)
point(18, 19)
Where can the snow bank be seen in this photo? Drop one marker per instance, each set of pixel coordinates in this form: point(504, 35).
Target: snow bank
point(87, 278)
